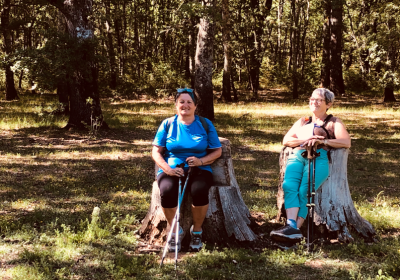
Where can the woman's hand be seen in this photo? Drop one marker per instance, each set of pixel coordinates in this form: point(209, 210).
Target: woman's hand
point(178, 172)
point(315, 139)
point(194, 161)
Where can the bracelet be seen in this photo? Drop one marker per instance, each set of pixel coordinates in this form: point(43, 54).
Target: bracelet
point(201, 162)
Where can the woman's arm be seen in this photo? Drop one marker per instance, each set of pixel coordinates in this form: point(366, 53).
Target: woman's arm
point(157, 154)
point(206, 160)
point(342, 136)
point(291, 140)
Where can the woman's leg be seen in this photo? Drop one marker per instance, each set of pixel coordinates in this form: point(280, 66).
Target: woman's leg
point(201, 183)
point(291, 184)
point(169, 195)
point(321, 174)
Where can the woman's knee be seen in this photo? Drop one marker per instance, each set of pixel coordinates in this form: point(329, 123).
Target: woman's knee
point(200, 187)
point(168, 191)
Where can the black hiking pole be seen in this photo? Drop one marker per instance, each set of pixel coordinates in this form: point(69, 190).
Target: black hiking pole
point(311, 156)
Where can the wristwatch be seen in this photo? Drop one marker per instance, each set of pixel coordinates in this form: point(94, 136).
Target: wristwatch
point(326, 142)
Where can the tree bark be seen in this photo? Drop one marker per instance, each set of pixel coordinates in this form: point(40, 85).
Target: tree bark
point(295, 47)
point(111, 51)
point(334, 208)
point(389, 94)
point(227, 217)
point(85, 107)
point(226, 78)
point(204, 65)
point(337, 82)
point(11, 92)
point(332, 71)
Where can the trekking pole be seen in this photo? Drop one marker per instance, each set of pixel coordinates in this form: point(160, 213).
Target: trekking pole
point(173, 222)
point(180, 198)
point(309, 157)
point(313, 200)
point(176, 221)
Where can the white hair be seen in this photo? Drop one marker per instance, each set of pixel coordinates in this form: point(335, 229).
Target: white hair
point(326, 93)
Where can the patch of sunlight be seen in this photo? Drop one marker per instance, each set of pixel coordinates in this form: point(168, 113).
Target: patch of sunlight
point(329, 263)
point(395, 136)
point(384, 213)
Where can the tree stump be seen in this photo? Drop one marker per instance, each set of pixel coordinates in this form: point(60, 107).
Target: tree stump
point(227, 217)
point(334, 207)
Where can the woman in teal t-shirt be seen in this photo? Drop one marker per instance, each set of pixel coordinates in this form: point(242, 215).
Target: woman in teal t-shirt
point(186, 138)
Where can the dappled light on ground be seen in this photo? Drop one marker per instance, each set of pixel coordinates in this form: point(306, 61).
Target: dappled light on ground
point(51, 179)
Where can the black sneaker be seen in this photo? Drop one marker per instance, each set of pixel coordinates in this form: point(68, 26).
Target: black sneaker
point(285, 245)
point(286, 233)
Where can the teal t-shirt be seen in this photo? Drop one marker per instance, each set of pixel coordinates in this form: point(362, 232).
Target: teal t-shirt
point(182, 141)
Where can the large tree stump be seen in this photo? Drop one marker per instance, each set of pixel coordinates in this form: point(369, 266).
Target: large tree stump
point(334, 208)
point(227, 218)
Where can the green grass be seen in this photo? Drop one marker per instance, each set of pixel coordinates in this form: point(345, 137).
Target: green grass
point(51, 180)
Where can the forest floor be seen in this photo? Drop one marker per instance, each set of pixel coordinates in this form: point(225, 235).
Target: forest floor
point(51, 179)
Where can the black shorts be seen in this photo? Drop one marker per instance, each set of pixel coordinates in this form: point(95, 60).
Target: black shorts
point(200, 182)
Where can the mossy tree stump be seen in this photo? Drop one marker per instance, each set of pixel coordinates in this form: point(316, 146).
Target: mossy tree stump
point(334, 207)
point(227, 220)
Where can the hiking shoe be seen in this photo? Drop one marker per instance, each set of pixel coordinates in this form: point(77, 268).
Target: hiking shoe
point(286, 233)
point(171, 243)
point(286, 245)
point(195, 241)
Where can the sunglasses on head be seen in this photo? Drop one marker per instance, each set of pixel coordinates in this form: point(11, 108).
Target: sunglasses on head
point(183, 90)
point(188, 91)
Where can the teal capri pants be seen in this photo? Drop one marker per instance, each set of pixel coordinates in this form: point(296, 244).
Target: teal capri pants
point(295, 182)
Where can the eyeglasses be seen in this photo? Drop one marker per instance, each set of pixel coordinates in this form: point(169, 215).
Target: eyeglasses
point(316, 100)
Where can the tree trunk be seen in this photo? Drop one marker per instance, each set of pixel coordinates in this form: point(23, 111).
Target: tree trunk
point(111, 51)
point(295, 47)
point(235, 96)
point(204, 65)
point(85, 107)
point(332, 71)
point(334, 208)
point(227, 217)
point(11, 92)
point(226, 79)
point(389, 94)
point(337, 82)
point(326, 53)
point(64, 93)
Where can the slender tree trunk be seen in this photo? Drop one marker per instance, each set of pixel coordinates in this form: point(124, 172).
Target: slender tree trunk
point(326, 53)
point(332, 72)
point(204, 65)
point(391, 61)
point(111, 51)
point(235, 96)
point(337, 82)
point(11, 92)
point(85, 106)
point(278, 48)
point(295, 47)
point(21, 77)
point(226, 83)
